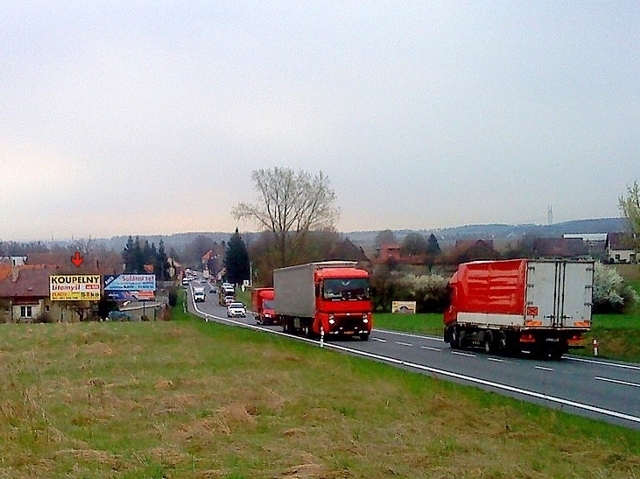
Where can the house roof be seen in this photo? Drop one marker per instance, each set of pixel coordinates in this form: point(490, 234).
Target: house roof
point(468, 244)
point(94, 263)
point(560, 247)
point(618, 241)
point(5, 270)
point(26, 282)
point(347, 250)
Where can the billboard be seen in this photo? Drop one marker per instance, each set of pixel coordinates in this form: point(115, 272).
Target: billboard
point(74, 287)
point(130, 287)
point(406, 307)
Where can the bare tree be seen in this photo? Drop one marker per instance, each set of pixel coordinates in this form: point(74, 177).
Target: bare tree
point(630, 209)
point(414, 244)
point(291, 204)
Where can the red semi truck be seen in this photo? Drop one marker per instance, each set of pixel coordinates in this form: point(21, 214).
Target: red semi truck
point(262, 302)
point(509, 306)
point(330, 297)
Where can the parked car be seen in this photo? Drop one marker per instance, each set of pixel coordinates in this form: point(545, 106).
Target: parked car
point(118, 316)
point(236, 310)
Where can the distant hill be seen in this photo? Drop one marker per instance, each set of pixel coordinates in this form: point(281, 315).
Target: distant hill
point(177, 240)
point(367, 238)
point(498, 230)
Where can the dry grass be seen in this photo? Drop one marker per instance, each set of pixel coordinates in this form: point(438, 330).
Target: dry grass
point(187, 399)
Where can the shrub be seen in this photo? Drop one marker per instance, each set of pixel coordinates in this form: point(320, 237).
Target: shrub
point(173, 296)
point(44, 317)
point(428, 291)
point(610, 294)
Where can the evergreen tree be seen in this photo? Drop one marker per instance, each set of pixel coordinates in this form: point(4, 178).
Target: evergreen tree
point(137, 254)
point(432, 245)
point(128, 255)
point(162, 262)
point(433, 250)
point(236, 259)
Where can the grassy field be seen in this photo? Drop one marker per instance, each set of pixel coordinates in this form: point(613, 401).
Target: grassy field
point(188, 399)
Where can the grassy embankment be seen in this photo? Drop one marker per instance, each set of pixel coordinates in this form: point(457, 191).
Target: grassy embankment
point(618, 335)
point(185, 398)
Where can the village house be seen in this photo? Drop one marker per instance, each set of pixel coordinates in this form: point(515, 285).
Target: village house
point(619, 248)
point(24, 296)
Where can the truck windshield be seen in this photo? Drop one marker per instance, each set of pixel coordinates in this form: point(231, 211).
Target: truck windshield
point(268, 304)
point(346, 289)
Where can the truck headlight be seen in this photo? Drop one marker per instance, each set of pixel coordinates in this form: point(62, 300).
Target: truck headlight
point(365, 318)
point(331, 319)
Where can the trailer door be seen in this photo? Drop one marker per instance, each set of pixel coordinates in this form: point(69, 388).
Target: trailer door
point(560, 292)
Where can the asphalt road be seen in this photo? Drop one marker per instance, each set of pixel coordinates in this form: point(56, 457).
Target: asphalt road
point(599, 389)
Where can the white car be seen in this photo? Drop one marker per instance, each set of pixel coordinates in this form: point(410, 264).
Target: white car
point(236, 310)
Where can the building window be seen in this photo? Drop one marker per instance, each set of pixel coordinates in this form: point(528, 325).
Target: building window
point(25, 311)
point(46, 308)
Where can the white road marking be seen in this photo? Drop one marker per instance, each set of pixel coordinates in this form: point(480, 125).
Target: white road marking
point(403, 344)
point(542, 368)
point(410, 335)
point(497, 360)
point(616, 381)
point(460, 353)
point(380, 340)
point(604, 363)
point(431, 349)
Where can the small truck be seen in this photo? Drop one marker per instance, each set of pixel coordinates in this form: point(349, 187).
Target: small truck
point(542, 307)
point(262, 303)
point(198, 294)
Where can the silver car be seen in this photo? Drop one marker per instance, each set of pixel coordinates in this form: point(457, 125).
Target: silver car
point(236, 310)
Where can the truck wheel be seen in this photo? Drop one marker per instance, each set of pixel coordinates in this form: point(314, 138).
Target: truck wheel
point(488, 342)
point(503, 344)
point(556, 353)
point(454, 340)
point(364, 337)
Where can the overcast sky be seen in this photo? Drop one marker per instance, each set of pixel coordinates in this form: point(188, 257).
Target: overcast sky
point(142, 118)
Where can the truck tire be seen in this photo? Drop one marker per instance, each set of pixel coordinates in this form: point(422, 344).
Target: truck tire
point(503, 342)
point(454, 340)
point(487, 342)
point(364, 337)
point(307, 331)
point(556, 353)
point(560, 349)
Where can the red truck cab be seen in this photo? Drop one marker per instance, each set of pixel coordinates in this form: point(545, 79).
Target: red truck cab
point(262, 302)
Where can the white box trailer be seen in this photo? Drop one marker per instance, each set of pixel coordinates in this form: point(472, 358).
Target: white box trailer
point(542, 306)
point(294, 287)
point(329, 297)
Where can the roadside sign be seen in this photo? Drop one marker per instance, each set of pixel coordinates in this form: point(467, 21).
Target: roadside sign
point(129, 287)
point(406, 307)
point(74, 287)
